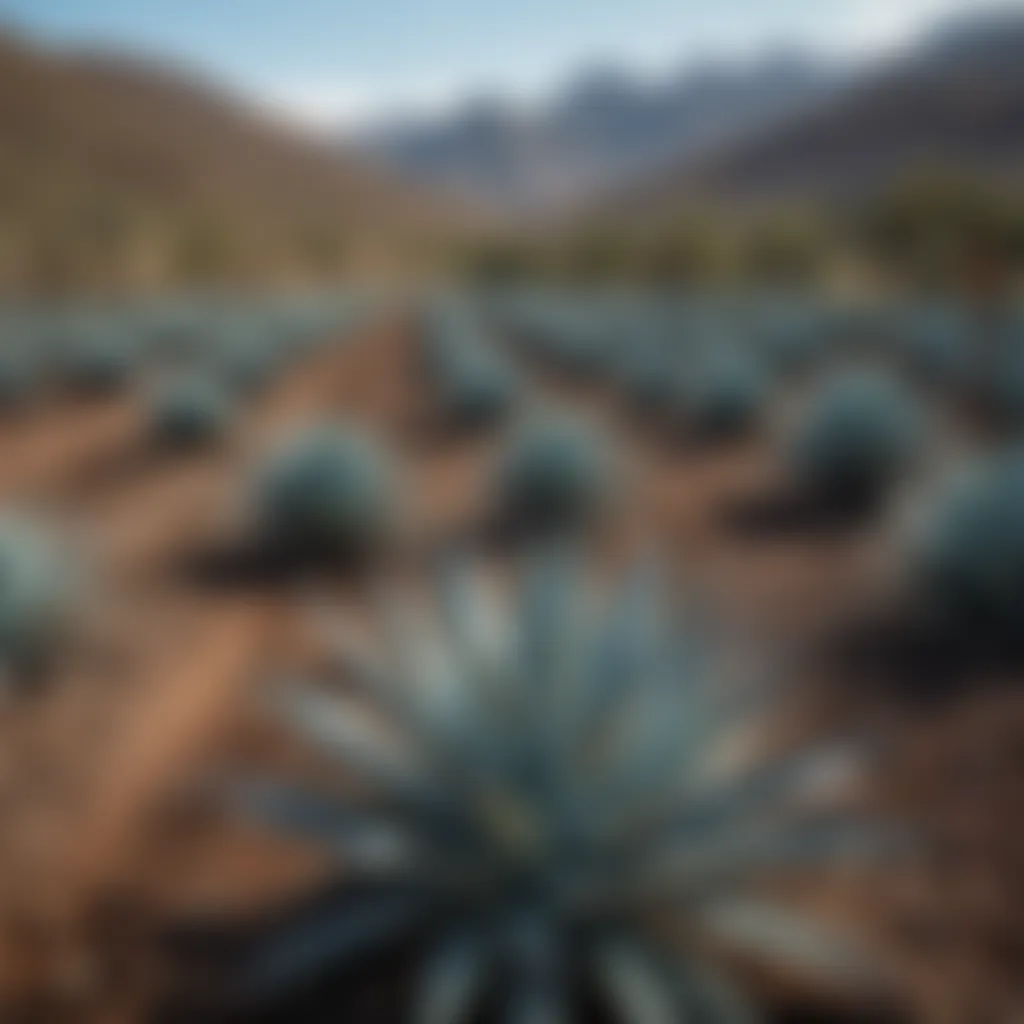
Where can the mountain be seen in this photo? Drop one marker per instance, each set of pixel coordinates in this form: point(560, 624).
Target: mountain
point(955, 102)
point(116, 173)
point(605, 128)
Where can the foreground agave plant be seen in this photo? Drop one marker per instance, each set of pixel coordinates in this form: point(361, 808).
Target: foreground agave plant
point(560, 808)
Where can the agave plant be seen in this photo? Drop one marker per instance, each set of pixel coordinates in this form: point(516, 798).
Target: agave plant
point(476, 390)
point(999, 387)
point(861, 435)
point(192, 411)
point(562, 804)
point(724, 397)
point(328, 493)
point(38, 597)
point(99, 364)
point(20, 378)
point(938, 343)
point(555, 476)
point(970, 562)
point(245, 369)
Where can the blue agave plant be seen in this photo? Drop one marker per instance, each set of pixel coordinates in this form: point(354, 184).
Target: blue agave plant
point(862, 434)
point(100, 363)
point(554, 477)
point(192, 411)
point(38, 598)
point(555, 800)
point(724, 396)
point(970, 562)
point(328, 492)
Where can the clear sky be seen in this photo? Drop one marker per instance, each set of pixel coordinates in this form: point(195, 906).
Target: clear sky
point(328, 59)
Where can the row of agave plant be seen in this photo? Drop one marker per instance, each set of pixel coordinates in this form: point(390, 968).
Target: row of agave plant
point(709, 364)
point(333, 492)
point(883, 374)
point(852, 445)
point(196, 358)
point(195, 363)
point(711, 373)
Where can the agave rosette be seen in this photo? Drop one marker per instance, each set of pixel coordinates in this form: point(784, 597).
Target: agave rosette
point(561, 804)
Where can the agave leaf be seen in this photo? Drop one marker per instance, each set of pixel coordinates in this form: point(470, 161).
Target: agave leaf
point(441, 705)
point(354, 669)
point(339, 729)
point(474, 621)
point(549, 646)
point(718, 716)
point(793, 847)
point(548, 617)
point(331, 938)
point(703, 725)
point(452, 980)
point(533, 959)
point(636, 984)
point(442, 702)
point(712, 996)
point(360, 838)
point(536, 1002)
point(706, 863)
point(784, 936)
point(766, 789)
point(640, 763)
point(629, 652)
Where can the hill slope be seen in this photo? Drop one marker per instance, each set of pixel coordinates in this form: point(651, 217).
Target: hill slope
point(956, 103)
point(115, 173)
point(606, 128)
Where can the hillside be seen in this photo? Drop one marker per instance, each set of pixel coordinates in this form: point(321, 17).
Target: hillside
point(955, 103)
point(115, 173)
point(606, 128)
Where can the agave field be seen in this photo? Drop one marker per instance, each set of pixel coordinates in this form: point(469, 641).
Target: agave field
point(521, 655)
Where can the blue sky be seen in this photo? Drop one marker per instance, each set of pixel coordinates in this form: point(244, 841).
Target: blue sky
point(322, 60)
